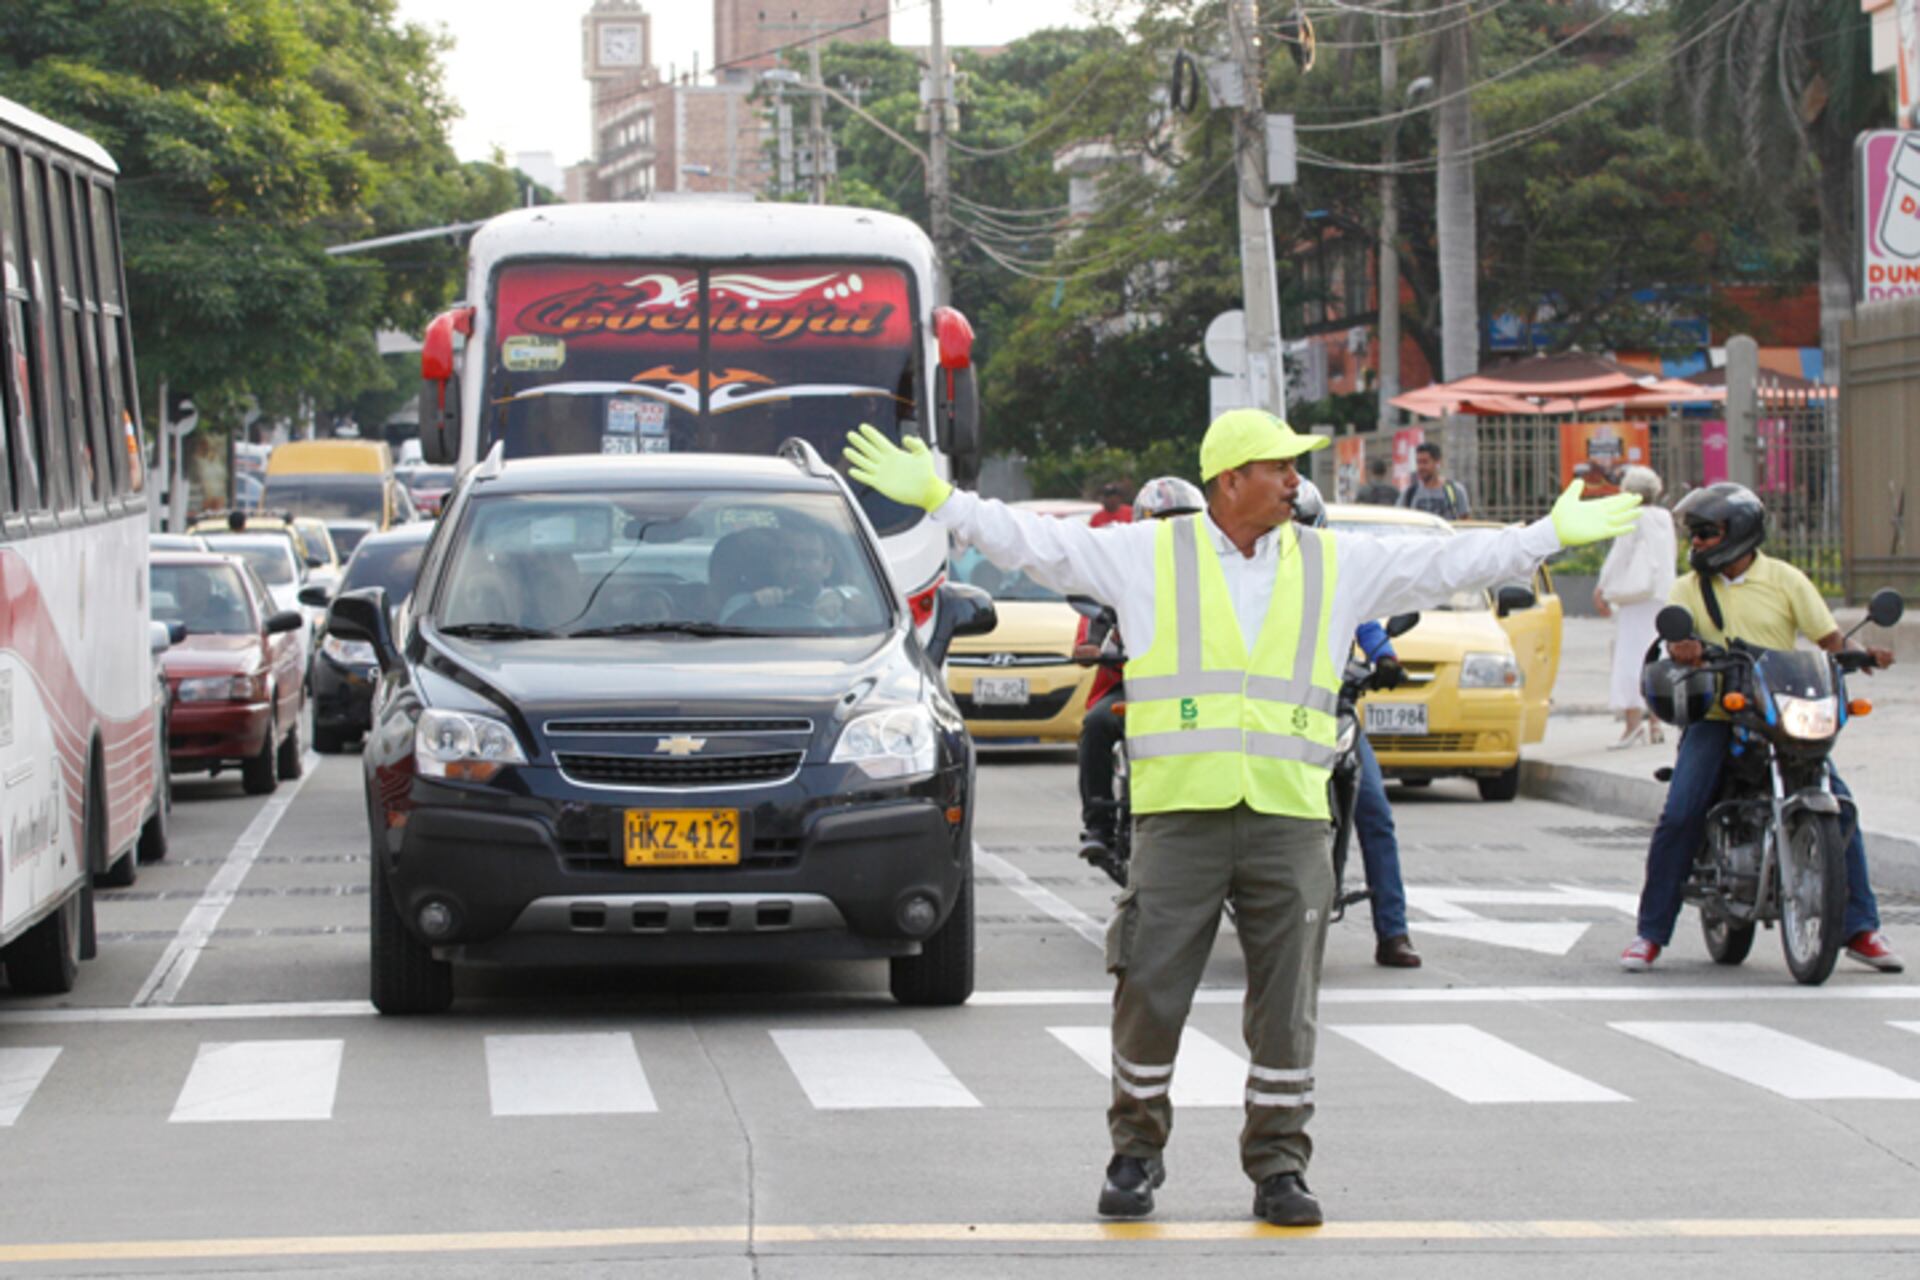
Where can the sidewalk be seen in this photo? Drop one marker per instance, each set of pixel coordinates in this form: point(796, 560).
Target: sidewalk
point(1875, 755)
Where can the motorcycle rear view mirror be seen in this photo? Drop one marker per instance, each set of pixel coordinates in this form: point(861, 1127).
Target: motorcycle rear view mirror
point(1886, 608)
point(1674, 623)
point(1086, 606)
point(1401, 623)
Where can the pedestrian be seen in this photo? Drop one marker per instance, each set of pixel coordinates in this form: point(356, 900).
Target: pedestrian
point(1737, 590)
point(1633, 587)
point(1230, 747)
point(1431, 490)
point(1115, 506)
point(1378, 490)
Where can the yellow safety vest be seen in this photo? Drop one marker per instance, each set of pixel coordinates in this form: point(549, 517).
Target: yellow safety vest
point(1207, 726)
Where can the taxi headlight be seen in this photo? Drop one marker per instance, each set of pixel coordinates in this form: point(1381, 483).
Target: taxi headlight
point(889, 744)
point(1489, 671)
point(348, 653)
point(1810, 719)
point(462, 746)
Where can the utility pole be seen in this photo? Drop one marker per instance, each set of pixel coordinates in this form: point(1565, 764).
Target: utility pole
point(816, 112)
point(939, 93)
point(1260, 291)
point(1387, 282)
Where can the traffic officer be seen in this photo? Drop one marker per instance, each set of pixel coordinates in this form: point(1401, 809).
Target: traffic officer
point(1236, 622)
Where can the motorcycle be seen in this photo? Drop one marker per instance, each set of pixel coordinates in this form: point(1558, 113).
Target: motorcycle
point(1776, 837)
point(1343, 787)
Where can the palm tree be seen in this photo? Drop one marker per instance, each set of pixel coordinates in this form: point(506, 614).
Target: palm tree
point(1787, 85)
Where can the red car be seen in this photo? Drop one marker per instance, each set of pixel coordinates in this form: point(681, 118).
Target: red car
point(234, 683)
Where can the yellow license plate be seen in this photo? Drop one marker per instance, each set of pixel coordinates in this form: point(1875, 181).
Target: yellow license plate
point(683, 837)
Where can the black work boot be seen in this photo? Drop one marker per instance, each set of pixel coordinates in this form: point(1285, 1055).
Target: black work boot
point(1128, 1192)
point(1284, 1201)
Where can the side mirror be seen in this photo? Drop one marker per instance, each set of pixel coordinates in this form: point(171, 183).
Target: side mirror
point(957, 419)
point(962, 611)
point(440, 387)
point(362, 615)
point(160, 635)
point(1401, 623)
point(1674, 623)
point(1512, 599)
point(285, 620)
point(315, 596)
point(1087, 607)
point(1886, 608)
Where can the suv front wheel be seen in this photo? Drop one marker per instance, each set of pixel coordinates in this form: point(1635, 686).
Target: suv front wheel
point(942, 974)
point(406, 977)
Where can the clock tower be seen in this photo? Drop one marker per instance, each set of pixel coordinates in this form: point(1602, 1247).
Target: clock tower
point(616, 57)
point(616, 36)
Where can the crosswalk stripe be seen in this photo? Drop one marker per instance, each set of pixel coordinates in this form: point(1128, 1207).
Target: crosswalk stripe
point(21, 1071)
point(1205, 1074)
point(567, 1075)
point(1474, 1066)
point(860, 1070)
point(1774, 1061)
point(260, 1080)
point(1907, 1026)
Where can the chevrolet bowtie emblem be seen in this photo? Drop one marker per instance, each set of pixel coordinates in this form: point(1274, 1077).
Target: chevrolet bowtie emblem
point(679, 745)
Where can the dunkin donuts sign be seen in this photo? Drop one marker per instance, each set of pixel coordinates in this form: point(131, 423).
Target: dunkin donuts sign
point(1888, 163)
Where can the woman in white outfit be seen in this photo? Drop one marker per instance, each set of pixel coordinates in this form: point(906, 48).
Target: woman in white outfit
point(1633, 587)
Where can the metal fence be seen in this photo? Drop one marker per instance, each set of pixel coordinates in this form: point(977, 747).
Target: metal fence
point(1517, 467)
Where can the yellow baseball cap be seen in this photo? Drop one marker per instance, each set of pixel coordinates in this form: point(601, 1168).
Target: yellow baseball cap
point(1240, 436)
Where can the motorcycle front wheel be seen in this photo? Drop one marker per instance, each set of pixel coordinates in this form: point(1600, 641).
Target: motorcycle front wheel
point(1813, 895)
point(1728, 941)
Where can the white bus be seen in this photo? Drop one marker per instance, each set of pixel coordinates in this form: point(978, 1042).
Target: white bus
point(81, 757)
point(707, 328)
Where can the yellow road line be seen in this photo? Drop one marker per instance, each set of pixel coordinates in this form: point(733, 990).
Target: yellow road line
point(1083, 1233)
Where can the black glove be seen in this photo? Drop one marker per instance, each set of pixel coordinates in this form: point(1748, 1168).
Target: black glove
point(1387, 674)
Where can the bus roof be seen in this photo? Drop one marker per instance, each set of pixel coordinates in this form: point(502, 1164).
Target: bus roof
point(694, 229)
point(79, 144)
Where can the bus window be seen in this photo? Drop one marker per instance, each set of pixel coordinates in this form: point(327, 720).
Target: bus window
point(106, 480)
point(120, 398)
point(48, 406)
point(9, 273)
point(80, 451)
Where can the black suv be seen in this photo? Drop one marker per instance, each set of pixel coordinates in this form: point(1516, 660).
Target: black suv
point(663, 710)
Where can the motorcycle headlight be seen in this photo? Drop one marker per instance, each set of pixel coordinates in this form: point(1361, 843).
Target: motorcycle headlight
point(889, 744)
point(462, 746)
point(348, 653)
point(1808, 718)
point(1349, 733)
point(1489, 671)
point(224, 689)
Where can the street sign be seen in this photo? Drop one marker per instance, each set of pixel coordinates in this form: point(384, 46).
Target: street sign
point(1226, 342)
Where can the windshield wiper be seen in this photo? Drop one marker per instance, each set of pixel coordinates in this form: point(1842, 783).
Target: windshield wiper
point(494, 631)
point(686, 627)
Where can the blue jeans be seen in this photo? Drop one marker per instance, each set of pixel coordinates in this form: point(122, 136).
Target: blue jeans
point(1683, 826)
point(1379, 847)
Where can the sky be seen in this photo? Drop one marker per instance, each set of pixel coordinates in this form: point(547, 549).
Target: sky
point(517, 78)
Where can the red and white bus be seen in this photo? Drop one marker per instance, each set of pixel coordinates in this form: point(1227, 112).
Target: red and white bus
point(707, 327)
point(81, 764)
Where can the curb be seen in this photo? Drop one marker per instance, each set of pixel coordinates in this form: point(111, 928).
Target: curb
point(1895, 859)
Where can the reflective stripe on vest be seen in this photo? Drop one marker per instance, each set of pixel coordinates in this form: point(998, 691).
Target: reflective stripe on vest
point(1210, 725)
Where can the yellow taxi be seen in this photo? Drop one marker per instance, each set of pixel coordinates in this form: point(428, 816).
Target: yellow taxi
point(1480, 673)
point(1019, 683)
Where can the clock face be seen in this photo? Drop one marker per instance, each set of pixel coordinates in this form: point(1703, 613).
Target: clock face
point(620, 45)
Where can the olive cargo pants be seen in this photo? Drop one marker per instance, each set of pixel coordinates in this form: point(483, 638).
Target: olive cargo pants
point(1279, 874)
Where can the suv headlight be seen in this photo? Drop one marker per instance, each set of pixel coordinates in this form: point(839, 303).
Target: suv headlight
point(1810, 719)
point(462, 746)
point(889, 744)
point(348, 653)
point(224, 689)
point(1489, 671)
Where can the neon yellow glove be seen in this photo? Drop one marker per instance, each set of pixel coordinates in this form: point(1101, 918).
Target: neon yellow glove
point(905, 475)
point(1579, 522)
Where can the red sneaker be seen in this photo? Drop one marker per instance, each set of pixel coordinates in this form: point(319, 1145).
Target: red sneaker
point(1871, 949)
point(1639, 957)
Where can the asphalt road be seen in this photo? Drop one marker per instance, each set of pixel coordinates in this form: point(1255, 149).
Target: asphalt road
point(216, 1097)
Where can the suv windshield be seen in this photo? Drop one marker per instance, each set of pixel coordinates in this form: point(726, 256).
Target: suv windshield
point(208, 598)
point(329, 496)
point(390, 564)
point(570, 565)
point(638, 357)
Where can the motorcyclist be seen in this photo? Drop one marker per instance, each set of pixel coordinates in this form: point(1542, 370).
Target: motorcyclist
point(1737, 591)
point(1161, 498)
point(1372, 814)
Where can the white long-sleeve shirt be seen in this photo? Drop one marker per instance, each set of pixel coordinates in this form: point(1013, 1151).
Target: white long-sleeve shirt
point(1375, 576)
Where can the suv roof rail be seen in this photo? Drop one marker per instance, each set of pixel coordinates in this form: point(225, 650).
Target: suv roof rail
point(491, 465)
point(804, 456)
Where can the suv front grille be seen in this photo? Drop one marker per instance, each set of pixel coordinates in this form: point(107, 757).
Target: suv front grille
point(664, 771)
point(669, 728)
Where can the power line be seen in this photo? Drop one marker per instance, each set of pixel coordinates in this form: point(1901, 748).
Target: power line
point(745, 58)
point(1104, 261)
point(1043, 126)
point(1408, 37)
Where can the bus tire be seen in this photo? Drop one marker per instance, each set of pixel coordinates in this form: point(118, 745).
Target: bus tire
point(257, 775)
point(45, 959)
point(154, 833)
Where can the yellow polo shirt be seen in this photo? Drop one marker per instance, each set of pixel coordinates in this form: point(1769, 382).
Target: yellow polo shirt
point(1771, 606)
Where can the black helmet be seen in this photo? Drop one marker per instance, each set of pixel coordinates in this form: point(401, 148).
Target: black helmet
point(1677, 693)
point(1740, 515)
point(1164, 497)
point(1309, 508)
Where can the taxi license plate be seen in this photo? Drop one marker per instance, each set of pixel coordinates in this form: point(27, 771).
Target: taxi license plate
point(1403, 719)
point(1000, 691)
point(683, 837)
